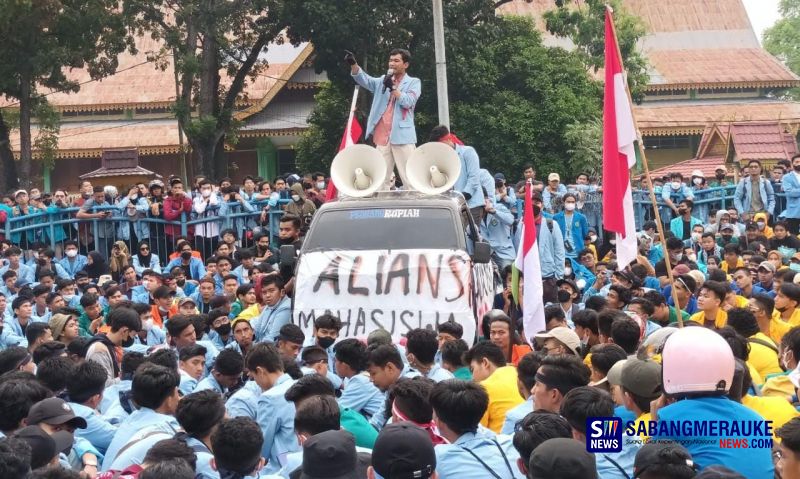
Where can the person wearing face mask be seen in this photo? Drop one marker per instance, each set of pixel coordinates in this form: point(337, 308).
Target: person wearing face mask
point(300, 206)
point(496, 229)
point(568, 296)
point(675, 249)
point(551, 248)
point(104, 348)
point(72, 262)
point(208, 205)
point(672, 194)
point(682, 225)
point(573, 224)
point(726, 235)
point(699, 188)
point(760, 219)
point(192, 267)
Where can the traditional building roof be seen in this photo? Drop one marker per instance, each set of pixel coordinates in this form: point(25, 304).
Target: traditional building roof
point(692, 117)
point(706, 165)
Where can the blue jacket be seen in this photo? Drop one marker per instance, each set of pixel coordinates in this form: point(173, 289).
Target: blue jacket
point(791, 187)
point(72, 266)
point(98, 430)
point(155, 264)
point(469, 180)
point(578, 227)
point(744, 195)
point(497, 452)
point(272, 318)
point(196, 268)
point(275, 416)
point(244, 401)
point(551, 247)
point(359, 394)
point(141, 228)
point(548, 197)
point(676, 225)
point(496, 230)
point(403, 131)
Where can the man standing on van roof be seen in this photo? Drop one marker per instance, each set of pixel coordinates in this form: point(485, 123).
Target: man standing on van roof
point(391, 117)
point(468, 183)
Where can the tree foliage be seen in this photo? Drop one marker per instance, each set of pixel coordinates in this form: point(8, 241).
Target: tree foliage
point(510, 96)
point(42, 40)
point(216, 48)
point(783, 39)
point(584, 24)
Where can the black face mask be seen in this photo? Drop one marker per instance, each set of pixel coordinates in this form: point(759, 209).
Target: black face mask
point(720, 176)
point(726, 237)
point(186, 255)
point(563, 296)
point(224, 329)
point(127, 343)
point(325, 341)
point(536, 211)
point(797, 168)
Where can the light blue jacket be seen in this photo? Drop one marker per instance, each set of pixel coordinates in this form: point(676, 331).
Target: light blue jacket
point(187, 384)
point(453, 460)
point(469, 181)
point(23, 272)
point(359, 394)
point(791, 187)
point(98, 430)
point(9, 338)
point(515, 415)
point(438, 374)
point(496, 230)
point(73, 265)
point(378, 420)
point(210, 383)
point(676, 225)
point(403, 131)
point(196, 267)
point(268, 324)
point(579, 228)
point(744, 195)
point(275, 416)
point(244, 402)
point(548, 197)
point(138, 420)
point(141, 228)
point(155, 264)
point(551, 248)
point(111, 395)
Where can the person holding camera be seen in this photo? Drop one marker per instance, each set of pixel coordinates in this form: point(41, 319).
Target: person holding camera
point(391, 117)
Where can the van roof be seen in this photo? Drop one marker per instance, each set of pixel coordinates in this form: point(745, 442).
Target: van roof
point(401, 198)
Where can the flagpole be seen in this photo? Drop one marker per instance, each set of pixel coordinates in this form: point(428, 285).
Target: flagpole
point(640, 146)
point(352, 112)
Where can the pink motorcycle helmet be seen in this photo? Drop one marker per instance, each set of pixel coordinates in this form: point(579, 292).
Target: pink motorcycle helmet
point(696, 360)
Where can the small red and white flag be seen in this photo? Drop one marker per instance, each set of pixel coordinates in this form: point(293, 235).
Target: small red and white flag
point(619, 152)
point(527, 262)
point(352, 133)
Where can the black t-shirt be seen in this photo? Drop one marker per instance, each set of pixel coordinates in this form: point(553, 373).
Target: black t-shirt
point(687, 230)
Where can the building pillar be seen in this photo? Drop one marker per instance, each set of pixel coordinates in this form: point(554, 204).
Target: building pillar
point(267, 159)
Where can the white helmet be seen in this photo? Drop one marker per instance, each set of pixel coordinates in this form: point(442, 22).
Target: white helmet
point(697, 360)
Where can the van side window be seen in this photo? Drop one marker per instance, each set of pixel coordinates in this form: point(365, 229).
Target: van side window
point(470, 230)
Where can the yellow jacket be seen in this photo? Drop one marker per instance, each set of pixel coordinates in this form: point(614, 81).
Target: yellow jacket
point(719, 322)
point(503, 393)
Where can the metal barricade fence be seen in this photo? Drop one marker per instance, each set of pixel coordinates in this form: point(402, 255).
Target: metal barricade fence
point(55, 226)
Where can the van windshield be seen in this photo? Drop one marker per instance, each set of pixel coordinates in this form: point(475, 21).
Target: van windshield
point(385, 228)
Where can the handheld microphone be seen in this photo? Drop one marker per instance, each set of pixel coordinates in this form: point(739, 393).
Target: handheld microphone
point(388, 82)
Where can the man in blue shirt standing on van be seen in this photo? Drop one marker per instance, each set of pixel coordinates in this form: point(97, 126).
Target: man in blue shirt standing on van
point(391, 117)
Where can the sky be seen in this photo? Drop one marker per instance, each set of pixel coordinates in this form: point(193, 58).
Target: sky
point(763, 14)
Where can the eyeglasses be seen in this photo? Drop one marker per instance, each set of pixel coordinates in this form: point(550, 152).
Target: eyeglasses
point(144, 248)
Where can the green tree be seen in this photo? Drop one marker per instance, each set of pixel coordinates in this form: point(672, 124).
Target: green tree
point(207, 40)
point(585, 147)
point(42, 39)
point(584, 24)
point(783, 39)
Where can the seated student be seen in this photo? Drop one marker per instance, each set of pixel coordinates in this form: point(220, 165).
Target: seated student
point(526, 379)
point(533, 430)
point(789, 451)
point(243, 334)
point(17, 396)
point(150, 336)
point(182, 333)
point(358, 392)
point(446, 332)
point(775, 409)
point(192, 362)
point(409, 403)
point(220, 334)
point(163, 307)
point(53, 415)
point(763, 308)
point(116, 404)
point(403, 451)
point(504, 335)
point(237, 445)
point(42, 453)
point(314, 385)
point(290, 340)
point(37, 334)
point(275, 415)
point(763, 355)
point(225, 374)
point(203, 295)
point(85, 387)
point(199, 414)
point(165, 451)
point(562, 458)
point(452, 359)
point(421, 347)
point(641, 384)
point(155, 391)
point(626, 333)
point(584, 402)
point(743, 283)
point(385, 367)
point(22, 306)
point(489, 368)
point(277, 308)
point(102, 348)
point(245, 298)
point(710, 300)
point(458, 407)
point(662, 460)
point(54, 373)
point(557, 376)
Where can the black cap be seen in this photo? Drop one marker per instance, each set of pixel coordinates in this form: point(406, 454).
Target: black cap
point(562, 458)
point(54, 411)
point(44, 447)
point(403, 451)
point(330, 455)
point(661, 453)
point(571, 284)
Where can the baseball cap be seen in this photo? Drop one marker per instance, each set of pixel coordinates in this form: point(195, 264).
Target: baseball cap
point(642, 378)
point(571, 284)
point(500, 177)
point(767, 265)
point(720, 168)
point(54, 411)
point(614, 375)
point(44, 447)
point(565, 335)
point(403, 451)
point(186, 300)
point(562, 458)
point(330, 455)
point(698, 173)
point(20, 192)
point(553, 177)
point(726, 226)
point(662, 453)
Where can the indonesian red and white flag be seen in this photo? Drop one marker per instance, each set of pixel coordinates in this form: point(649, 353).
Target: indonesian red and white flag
point(619, 153)
point(528, 263)
point(352, 133)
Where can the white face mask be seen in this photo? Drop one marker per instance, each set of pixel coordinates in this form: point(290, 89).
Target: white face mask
point(696, 236)
point(761, 225)
point(692, 257)
point(675, 185)
point(698, 181)
point(147, 325)
point(295, 197)
point(678, 256)
point(593, 238)
point(205, 193)
point(71, 253)
point(68, 297)
point(567, 271)
point(569, 206)
point(320, 185)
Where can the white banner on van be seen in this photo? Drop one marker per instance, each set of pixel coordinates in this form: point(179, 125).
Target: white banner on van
point(396, 291)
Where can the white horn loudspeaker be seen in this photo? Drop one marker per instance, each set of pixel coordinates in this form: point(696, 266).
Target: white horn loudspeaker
point(433, 168)
point(358, 170)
